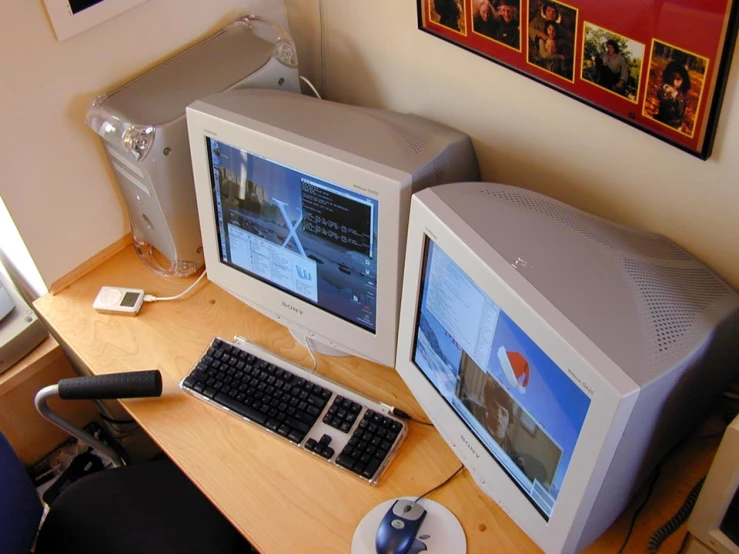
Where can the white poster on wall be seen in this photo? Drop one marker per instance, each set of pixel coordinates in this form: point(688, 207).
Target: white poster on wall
point(71, 17)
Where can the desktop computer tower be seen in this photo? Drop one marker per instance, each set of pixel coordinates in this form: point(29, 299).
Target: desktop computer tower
point(144, 133)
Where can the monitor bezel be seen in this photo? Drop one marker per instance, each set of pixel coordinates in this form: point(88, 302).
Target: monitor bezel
point(612, 393)
point(390, 187)
point(717, 494)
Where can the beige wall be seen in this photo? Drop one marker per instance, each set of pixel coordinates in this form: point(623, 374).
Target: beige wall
point(528, 135)
point(58, 190)
point(55, 181)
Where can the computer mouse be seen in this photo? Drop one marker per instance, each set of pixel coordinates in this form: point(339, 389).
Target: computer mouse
point(398, 528)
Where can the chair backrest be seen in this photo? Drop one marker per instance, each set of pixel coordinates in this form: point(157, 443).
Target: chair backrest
point(20, 507)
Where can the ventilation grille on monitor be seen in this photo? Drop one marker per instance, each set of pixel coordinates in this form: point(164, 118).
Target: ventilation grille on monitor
point(438, 170)
point(671, 288)
point(672, 298)
point(415, 142)
point(254, 92)
point(603, 232)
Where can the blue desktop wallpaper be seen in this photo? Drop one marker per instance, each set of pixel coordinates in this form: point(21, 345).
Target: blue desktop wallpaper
point(553, 401)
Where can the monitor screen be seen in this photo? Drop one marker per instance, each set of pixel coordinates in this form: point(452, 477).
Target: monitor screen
point(303, 206)
point(306, 236)
point(520, 405)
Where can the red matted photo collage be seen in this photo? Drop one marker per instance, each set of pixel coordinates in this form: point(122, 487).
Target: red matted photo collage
point(656, 64)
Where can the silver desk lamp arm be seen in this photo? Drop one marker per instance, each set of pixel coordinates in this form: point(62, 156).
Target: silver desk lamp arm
point(53, 390)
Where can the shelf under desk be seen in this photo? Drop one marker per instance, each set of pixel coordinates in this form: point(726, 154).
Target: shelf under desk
point(283, 499)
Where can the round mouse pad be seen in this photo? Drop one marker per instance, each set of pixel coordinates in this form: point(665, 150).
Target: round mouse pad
point(440, 533)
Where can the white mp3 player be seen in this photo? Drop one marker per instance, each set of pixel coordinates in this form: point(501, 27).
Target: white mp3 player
point(119, 300)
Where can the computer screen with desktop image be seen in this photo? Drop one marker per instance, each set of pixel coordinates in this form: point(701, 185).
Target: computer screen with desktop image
point(301, 234)
point(560, 355)
point(303, 207)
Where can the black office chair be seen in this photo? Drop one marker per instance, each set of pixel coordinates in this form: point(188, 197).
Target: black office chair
point(143, 508)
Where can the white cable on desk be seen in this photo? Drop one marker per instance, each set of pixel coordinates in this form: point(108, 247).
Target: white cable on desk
point(310, 351)
point(152, 298)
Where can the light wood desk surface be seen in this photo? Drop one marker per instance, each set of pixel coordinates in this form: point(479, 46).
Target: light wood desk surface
point(281, 498)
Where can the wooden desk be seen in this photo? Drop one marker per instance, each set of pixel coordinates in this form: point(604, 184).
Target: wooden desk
point(31, 436)
point(282, 499)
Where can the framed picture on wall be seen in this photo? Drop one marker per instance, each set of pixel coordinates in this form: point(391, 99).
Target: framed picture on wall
point(658, 65)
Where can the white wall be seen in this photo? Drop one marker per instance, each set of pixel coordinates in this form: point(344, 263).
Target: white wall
point(58, 189)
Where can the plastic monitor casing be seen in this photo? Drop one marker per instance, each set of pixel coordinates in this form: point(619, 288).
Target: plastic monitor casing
point(718, 492)
point(590, 294)
point(380, 154)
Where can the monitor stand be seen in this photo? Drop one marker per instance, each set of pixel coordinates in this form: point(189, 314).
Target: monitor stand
point(316, 346)
point(440, 533)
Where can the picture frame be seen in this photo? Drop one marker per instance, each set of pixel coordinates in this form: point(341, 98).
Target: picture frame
point(658, 65)
point(71, 17)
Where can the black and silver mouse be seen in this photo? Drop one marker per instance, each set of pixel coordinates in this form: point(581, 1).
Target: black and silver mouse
point(397, 531)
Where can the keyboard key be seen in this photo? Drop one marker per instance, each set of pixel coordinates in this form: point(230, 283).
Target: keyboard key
point(371, 468)
point(297, 424)
point(295, 435)
point(240, 408)
point(344, 460)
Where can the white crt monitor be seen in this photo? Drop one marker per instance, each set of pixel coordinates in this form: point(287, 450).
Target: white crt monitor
point(303, 207)
point(559, 355)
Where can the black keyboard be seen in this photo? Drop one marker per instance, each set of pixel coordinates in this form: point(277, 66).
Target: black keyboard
point(332, 422)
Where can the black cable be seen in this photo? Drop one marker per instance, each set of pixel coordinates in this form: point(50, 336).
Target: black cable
point(655, 476)
point(684, 543)
point(706, 437)
point(677, 520)
point(404, 415)
point(437, 487)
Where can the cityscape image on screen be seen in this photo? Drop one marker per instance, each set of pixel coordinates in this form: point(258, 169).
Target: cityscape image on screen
point(303, 206)
point(311, 238)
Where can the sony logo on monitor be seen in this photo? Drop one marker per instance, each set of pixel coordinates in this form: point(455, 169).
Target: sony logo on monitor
point(469, 446)
point(292, 308)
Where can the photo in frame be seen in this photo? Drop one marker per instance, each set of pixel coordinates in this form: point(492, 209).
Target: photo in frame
point(658, 65)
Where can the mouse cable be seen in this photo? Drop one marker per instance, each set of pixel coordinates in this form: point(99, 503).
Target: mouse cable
point(152, 298)
point(437, 487)
point(404, 415)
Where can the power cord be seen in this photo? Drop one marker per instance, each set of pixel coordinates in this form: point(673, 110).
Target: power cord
point(680, 517)
point(322, 26)
point(152, 298)
point(655, 476)
point(310, 85)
